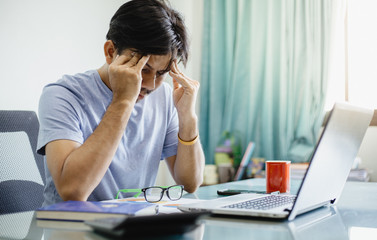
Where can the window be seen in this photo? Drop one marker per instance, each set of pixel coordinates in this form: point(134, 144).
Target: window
point(353, 70)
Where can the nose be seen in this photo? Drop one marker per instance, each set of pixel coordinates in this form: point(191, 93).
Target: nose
point(149, 81)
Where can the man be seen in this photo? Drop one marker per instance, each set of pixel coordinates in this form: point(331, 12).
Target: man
point(107, 129)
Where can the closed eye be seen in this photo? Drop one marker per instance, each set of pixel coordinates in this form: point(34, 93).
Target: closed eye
point(160, 73)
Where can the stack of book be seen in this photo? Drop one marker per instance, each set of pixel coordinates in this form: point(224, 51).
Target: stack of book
point(72, 214)
point(358, 175)
point(298, 171)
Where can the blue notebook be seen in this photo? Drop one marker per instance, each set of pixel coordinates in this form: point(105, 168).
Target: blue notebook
point(81, 210)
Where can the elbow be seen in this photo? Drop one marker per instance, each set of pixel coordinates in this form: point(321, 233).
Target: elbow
point(71, 194)
point(192, 186)
point(192, 182)
point(191, 189)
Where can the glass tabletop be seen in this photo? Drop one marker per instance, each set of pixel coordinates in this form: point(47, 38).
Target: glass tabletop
point(353, 217)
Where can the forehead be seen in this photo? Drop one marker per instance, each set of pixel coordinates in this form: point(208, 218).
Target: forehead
point(159, 62)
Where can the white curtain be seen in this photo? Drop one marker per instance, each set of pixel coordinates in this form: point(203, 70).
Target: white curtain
point(265, 72)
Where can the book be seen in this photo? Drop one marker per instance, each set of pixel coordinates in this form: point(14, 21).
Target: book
point(255, 168)
point(298, 170)
point(245, 161)
point(86, 210)
point(60, 224)
point(358, 175)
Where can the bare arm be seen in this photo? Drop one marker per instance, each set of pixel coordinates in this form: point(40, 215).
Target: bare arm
point(77, 169)
point(188, 165)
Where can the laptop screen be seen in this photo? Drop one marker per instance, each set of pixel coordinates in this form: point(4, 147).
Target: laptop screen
point(333, 157)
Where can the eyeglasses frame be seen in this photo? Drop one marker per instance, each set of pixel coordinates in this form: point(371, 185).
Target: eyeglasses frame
point(138, 191)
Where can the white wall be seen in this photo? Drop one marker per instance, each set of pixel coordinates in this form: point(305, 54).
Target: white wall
point(40, 40)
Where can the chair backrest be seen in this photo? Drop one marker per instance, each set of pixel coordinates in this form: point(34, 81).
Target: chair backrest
point(21, 169)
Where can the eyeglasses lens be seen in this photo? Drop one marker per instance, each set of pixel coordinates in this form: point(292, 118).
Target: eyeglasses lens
point(175, 192)
point(153, 194)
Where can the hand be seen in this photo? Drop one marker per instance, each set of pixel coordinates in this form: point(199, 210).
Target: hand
point(125, 75)
point(185, 92)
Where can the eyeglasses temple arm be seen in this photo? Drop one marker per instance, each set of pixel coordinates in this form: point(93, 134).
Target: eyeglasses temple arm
point(129, 190)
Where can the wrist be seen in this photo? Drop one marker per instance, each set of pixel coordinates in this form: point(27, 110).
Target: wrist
point(188, 129)
point(187, 121)
point(120, 107)
point(124, 99)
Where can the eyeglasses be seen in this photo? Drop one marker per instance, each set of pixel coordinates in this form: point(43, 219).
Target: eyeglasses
point(155, 194)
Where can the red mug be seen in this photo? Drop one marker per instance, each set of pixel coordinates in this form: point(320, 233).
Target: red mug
point(278, 176)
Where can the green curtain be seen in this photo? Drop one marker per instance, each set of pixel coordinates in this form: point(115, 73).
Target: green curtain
point(264, 74)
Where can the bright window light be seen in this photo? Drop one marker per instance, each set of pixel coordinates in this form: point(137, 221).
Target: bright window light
point(355, 43)
point(362, 52)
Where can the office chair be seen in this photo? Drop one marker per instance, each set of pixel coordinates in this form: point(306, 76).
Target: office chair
point(21, 171)
point(21, 168)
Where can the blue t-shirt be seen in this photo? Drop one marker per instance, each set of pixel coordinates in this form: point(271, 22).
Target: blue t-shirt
point(73, 107)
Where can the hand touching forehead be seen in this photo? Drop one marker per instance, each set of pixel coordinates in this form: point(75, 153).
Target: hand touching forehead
point(159, 63)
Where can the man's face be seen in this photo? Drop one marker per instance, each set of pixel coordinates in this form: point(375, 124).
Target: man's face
point(154, 73)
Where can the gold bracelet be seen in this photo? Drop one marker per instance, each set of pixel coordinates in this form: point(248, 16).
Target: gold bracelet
point(192, 142)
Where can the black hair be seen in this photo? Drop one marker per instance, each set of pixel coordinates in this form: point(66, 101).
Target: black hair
point(149, 27)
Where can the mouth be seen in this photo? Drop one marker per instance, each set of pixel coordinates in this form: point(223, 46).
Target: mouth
point(143, 93)
point(140, 97)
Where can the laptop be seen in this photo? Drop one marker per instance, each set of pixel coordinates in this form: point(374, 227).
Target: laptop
point(329, 167)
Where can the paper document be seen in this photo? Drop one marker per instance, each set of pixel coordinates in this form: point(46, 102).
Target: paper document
point(165, 205)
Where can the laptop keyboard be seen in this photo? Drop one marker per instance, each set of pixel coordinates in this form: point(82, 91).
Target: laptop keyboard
point(265, 203)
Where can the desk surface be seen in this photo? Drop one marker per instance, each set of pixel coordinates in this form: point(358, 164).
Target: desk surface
point(354, 217)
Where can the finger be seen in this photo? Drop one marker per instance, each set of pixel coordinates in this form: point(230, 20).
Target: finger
point(179, 78)
point(134, 60)
point(120, 59)
point(124, 57)
point(179, 71)
point(129, 53)
point(175, 84)
point(143, 60)
point(174, 68)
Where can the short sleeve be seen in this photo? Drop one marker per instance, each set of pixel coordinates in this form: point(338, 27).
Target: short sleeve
point(58, 116)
